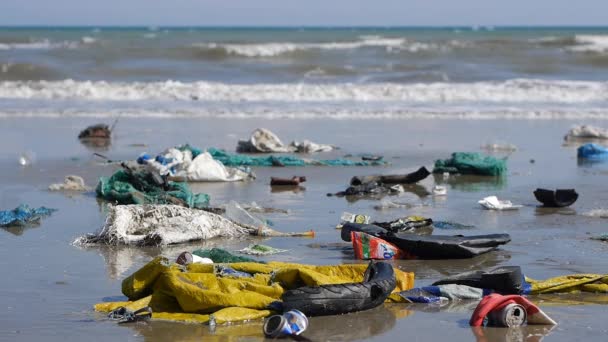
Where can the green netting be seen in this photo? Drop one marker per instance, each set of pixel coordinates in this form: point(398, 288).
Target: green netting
point(219, 255)
point(471, 163)
point(139, 188)
point(229, 159)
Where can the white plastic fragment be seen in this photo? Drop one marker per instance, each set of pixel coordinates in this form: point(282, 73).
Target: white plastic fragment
point(493, 203)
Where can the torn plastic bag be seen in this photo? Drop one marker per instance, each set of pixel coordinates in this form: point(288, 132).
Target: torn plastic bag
point(182, 164)
point(141, 187)
point(166, 224)
point(505, 280)
point(409, 178)
point(592, 152)
point(194, 293)
point(378, 283)
point(71, 183)
point(219, 255)
point(406, 224)
point(471, 163)
point(23, 215)
point(556, 199)
point(586, 132)
point(264, 141)
point(493, 203)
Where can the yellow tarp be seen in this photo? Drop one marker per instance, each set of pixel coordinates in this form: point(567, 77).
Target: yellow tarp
point(191, 295)
point(570, 283)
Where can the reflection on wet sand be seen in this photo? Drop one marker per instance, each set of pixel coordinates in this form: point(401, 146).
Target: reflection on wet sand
point(471, 183)
point(540, 211)
point(120, 259)
point(528, 333)
point(287, 188)
point(354, 326)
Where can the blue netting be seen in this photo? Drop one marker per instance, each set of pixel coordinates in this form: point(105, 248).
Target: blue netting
point(23, 215)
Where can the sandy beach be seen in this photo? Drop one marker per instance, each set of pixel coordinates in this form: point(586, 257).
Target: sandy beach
point(50, 285)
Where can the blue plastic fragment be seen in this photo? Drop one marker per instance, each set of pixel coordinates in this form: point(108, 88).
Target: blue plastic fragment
point(23, 215)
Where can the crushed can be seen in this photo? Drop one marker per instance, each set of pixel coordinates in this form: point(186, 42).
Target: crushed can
point(292, 322)
point(512, 315)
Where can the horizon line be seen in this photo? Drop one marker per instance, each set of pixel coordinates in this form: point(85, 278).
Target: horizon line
point(305, 26)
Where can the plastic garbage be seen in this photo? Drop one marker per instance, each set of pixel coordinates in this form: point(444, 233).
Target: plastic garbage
point(505, 280)
point(229, 159)
point(153, 225)
point(432, 246)
point(236, 213)
point(264, 141)
point(409, 178)
point(71, 183)
point(292, 322)
point(508, 311)
point(493, 203)
point(219, 255)
point(369, 247)
point(335, 299)
point(499, 146)
point(439, 190)
point(187, 258)
point(295, 180)
point(26, 158)
point(450, 225)
point(124, 315)
point(471, 163)
point(256, 249)
point(23, 215)
point(592, 152)
point(184, 163)
point(405, 224)
point(353, 218)
point(199, 291)
point(442, 293)
point(601, 213)
point(98, 131)
point(586, 132)
point(142, 187)
point(556, 199)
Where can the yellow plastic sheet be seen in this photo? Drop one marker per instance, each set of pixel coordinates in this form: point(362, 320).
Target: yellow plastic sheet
point(194, 293)
point(570, 283)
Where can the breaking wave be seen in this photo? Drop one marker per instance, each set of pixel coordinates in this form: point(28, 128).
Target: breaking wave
point(577, 43)
point(280, 48)
point(512, 91)
point(39, 45)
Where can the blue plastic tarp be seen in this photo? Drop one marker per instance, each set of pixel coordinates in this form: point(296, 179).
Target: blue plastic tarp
point(593, 152)
point(23, 215)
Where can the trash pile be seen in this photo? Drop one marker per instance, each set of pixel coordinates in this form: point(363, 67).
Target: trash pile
point(186, 163)
point(142, 187)
point(199, 292)
point(471, 163)
point(153, 225)
point(586, 132)
point(23, 215)
point(382, 184)
point(264, 141)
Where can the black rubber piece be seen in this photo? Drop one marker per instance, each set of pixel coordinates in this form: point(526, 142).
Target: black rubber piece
point(432, 246)
point(378, 283)
point(445, 246)
point(556, 199)
point(409, 178)
point(504, 280)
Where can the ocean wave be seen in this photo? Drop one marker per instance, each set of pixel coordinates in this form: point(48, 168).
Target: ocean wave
point(524, 91)
point(590, 43)
point(273, 49)
point(323, 113)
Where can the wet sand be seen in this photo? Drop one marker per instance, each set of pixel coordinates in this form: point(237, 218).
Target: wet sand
point(50, 286)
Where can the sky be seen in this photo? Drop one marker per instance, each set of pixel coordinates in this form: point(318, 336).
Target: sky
point(303, 12)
